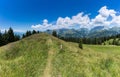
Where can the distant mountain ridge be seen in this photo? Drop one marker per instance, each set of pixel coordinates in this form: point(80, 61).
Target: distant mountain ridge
point(19, 33)
point(99, 31)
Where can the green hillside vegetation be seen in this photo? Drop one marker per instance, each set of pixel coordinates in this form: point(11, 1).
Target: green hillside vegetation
point(115, 41)
point(40, 55)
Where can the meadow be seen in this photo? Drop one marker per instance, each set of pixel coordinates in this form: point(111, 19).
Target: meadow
point(40, 55)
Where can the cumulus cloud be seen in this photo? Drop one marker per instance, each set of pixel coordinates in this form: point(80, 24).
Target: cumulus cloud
point(106, 17)
point(106, 12)
point(116, 20)
point(102, 19)
point(45, 25)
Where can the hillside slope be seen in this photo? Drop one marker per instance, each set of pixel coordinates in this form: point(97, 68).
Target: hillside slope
point(40, 56)
point(115, 41)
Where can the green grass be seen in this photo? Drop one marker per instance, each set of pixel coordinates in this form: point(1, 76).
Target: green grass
point(30, 57)
point(90, 62)
point(110, 42)
point(112, 49)
point(26, 58)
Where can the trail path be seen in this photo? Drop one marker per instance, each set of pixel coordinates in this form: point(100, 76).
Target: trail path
point(48, 68)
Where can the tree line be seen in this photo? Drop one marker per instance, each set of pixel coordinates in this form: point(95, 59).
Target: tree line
point(93, 41)
point(29, 33)
point(8, 37)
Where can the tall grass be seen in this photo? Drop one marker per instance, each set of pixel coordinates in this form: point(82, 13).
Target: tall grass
point(28, 58)
point(90, 62)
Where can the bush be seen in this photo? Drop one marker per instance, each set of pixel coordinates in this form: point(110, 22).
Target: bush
point(54, 33)
point(80, 44)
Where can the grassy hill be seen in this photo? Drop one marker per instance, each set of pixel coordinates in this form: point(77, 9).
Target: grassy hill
point(40, 56)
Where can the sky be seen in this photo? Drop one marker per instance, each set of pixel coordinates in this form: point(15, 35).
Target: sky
point(24, 15)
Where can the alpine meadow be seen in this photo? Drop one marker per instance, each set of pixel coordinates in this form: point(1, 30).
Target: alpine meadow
point(59, 38)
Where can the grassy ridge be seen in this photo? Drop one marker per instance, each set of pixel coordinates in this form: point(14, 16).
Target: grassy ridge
point(26, 58)
point(40, 56)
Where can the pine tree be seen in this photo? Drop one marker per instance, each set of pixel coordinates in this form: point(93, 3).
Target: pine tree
point(114, 40)
point(80, 44)
point(96, 41)
point(38, 31)
point(5, 38)
point(11, 37)
point(34, 32)
point(1, 40)
point(54, 33)
point(23, 36)
point(17, 37)
point(28, 33)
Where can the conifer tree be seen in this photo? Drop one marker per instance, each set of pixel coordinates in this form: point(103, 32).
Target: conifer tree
point(80, 44)
point(28, 33)
point(34, 32)
point(54, 33)
point(5, 38)
point(1, 40)
point(17, 37)
point(11, 37)
point(23, 36)
point(113, 43)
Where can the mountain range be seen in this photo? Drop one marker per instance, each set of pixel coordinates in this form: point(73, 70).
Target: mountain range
point(99, 31)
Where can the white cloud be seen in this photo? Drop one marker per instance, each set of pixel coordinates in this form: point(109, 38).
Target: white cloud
point(83, 20)
point(66, 22)
point(63, 22)
point(106, 12)
point(80, 19)
point(45, 21)
point(116, 20)
point(45, 25)
point(102, 19)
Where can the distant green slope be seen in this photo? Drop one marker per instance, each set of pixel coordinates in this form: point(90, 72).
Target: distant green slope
point(93, 61)
point(112, 42)
point(40, 56)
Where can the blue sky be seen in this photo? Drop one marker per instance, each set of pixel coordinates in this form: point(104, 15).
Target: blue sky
point(24, 15)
